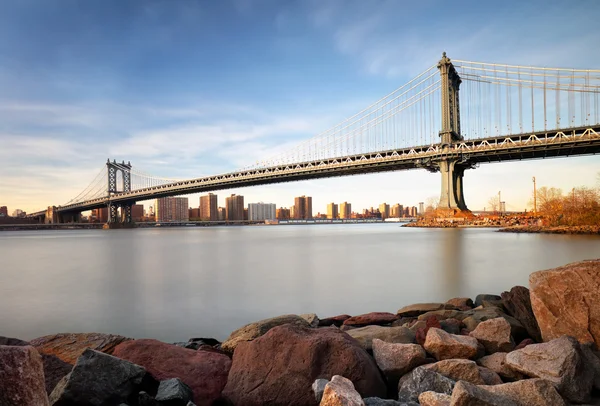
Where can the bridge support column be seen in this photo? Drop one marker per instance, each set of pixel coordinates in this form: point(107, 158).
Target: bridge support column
point(452, 196)
point(126, 213)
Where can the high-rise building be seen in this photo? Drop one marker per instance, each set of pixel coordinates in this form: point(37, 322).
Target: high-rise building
point(345, 210)
point(413, 211)
point(221, 213)
point(384, 209)
point(137, 212)
point(209, 209)
point(3, 211)
point(396, 211)
point(100, 215)
point(332, 211)
point(172, 209)
point(194, 214)
point(303, 208)
point(282, 213)
point(262, 211)
point(234, 208)
point(421, 207)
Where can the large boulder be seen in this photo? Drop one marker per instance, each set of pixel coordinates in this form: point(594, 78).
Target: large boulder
point(366, 335)
point(423, 380)
point(340, 392)
point(374, 318)
point(462, 370)
point(422, 308)
point(467, 394)
point(497, 363)
point(395, 360)
point(21, 377)
point(565, 301)
point(54, 368)
point(280, 367)
point(99, 379)
point(529, 392)
point(559, 361)
point(69, 346)
point(205, 372)
point(517, 303)
point(443, 345)
point(254, 330)
point(495, 335)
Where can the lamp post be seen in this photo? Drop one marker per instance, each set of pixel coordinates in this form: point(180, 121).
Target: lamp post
point(534, 198)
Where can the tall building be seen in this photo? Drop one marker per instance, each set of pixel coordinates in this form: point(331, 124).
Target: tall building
point(345, 210)
point(209, 209)
point(100, 215)
point(384, 209)
point(171, 209)
point(303, 208)
point(413, 211)
point(3, 211)
point(421, 207)
point(221, 213)
point(137, 212)
point(234, 208)
point(194, 214)
point(282, 213)
point(332, 211)
point(262, 211)
point(396, 211)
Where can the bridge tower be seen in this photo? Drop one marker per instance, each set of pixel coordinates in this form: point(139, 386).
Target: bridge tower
point(113, 169)
point(451, 166)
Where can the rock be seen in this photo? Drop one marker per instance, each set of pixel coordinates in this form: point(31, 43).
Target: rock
point(69, 346)
point(386, 402)
point(461, 303)
point(421, 333)
point(280, 367)
point(174, 392)
point(565, 301)
point(254, 330)
point(458, 370)
point(524, 343)
point(490, 377)
point(145, 399)
point(444, 314)
point(467, 394)
point(395, 360)
point(490, 298)
point(422, 308)
point(422, 380)
point(21, 377)
point(415, 326)
point(472, 318)
point(495, 335)
point(99, 379)
point(375, 318)
point(593, 362)
point(344, 327)
point(311, 319)
point(517, 303)
point(366, 335)
point(434, 399)
point(496, 362)
point(54, 368)
point(318, 387)
point(340, 392)
point(404, 321)
point(529, 392)
point(334, 321)
point(204, 372)
point(558, 361)
point(451, 326)
point(197, 343)
point(446, 346)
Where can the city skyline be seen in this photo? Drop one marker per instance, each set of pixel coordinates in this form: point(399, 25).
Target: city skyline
point(144, 94)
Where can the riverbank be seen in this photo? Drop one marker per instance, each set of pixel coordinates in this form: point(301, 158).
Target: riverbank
point(583, 230)
point(507, 349)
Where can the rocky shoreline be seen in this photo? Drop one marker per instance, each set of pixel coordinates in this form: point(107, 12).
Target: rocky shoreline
point(583, 230)
point(527, 346)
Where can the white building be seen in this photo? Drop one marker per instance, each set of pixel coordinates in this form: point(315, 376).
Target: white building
point(261, 211)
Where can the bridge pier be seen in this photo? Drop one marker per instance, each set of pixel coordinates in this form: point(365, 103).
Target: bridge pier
point(452, 195)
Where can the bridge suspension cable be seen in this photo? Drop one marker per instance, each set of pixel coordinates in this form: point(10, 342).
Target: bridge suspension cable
point(143, 180)
point(96, 189)
point(501, 99)
point(408, 116)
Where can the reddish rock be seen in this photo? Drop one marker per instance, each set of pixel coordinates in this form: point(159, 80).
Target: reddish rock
point(524, 343)
point(446, 346)
point(340, 392)
point(497, 363)
point(334, 321)
point(422, 308)
point(529, 392)
point(517, 303)
point(280, 367)
point(366, 335)
point(21, 377)
point(69, 346)
point(421, 333)
point(203, 371)
point(452, 326)
point(494, 335)
point(467, 394)
point(377, 318)
point(461, 303)
point(565, 301)
point(490, 377)
point(462, 370)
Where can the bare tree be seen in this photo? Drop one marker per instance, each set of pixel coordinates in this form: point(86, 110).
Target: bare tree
point(431, 203)
point(494, 203)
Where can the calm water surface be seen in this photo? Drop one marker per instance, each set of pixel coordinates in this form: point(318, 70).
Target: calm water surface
point(176, 283)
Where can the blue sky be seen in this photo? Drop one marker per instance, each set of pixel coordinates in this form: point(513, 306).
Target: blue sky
point(184, 89)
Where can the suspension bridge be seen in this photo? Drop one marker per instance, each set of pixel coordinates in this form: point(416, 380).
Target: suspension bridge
point(504, 113)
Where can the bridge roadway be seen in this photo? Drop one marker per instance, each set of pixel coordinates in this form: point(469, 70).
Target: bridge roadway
point(538, 145)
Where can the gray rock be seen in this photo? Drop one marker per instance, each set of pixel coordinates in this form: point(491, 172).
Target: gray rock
point(311, 319)
point(318, 387)
point(517, 303)
point(190, 404)
point(99, 379)
point(559, 361)
point(144, 399)
point(386, 402)
point(422, 380)
point(489, 298)
point(467, 394)
point(174, 391)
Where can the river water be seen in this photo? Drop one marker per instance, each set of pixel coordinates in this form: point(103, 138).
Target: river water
point(176, 283)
